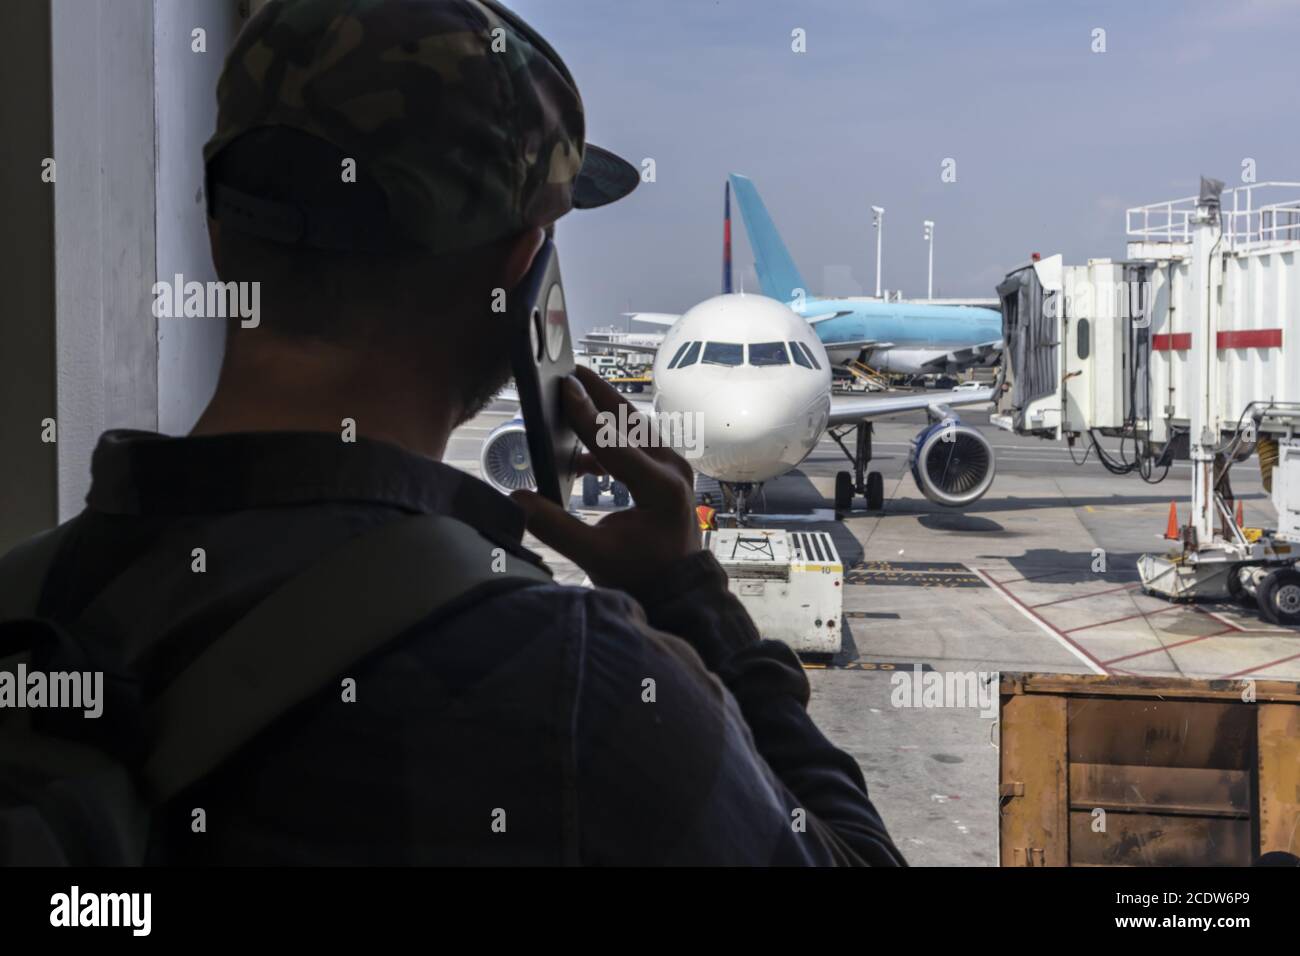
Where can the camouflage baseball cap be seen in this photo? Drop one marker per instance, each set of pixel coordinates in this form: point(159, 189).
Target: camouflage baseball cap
point(466, 119)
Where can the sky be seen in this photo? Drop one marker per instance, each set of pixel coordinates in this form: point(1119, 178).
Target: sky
point(1051, 140)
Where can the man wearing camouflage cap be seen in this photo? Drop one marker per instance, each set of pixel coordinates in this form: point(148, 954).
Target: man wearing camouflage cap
point(382, 168)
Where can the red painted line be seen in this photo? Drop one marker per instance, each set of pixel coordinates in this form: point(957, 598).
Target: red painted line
point(1175, 342)
point(1250, 339)
point(1168, 647)
point(1080, 597)
point(1259, 667)
point(1128, 617)
point(1049, 574)
point(1079, 649)
point(1216, 616)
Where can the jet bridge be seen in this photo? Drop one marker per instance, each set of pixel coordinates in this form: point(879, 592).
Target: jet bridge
point(1189, 348)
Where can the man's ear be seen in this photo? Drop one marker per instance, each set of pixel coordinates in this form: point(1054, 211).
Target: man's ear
point(520, 254)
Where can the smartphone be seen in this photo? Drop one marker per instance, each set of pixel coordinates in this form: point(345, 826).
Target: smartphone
point(541, 355)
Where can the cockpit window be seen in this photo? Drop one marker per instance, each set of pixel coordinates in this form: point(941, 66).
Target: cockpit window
point(768, 353)
point(796, 352)
point(677, 356)
point(809, 352)
point(692, 354)
point(724, 353)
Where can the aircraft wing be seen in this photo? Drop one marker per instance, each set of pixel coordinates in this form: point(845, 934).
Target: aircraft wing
point(857, 345)
point(984, 353)
point(975, 302)
point(668, 318)
point(654, 318)
point(849, 409)
point(824, 316)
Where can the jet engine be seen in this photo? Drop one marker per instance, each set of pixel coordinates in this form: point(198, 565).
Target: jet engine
point(504, 463)
point(952, 463)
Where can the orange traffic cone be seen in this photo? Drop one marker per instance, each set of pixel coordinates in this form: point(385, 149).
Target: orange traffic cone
point(1241, 515)
point(1171, 529)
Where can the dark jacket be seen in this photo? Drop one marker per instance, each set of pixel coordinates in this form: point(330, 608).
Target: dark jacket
point(537, 724)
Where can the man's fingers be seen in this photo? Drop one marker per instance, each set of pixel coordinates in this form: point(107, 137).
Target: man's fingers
point(607, 399)
point(587, 464)
point(556, 528)
point(676, 462)
point(603, 395)
point(630, 465)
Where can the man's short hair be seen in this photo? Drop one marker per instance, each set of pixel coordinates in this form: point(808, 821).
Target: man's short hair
point(321, 292)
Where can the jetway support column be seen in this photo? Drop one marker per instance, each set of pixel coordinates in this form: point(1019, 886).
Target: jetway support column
point(1205, 423)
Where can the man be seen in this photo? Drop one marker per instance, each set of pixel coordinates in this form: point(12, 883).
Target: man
point(385, 170)
point(706, 515)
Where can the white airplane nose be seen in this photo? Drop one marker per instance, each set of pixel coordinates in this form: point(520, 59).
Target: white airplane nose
point(741, 415)
point(743, 436)
point(738, 430)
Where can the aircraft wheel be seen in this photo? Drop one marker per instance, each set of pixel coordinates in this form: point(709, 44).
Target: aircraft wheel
point(622, 497)
point(1279, 597)
point(590, 491)
point(875, 491)
point(843, 492)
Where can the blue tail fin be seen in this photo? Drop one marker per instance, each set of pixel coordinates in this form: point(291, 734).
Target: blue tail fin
point(776, 270)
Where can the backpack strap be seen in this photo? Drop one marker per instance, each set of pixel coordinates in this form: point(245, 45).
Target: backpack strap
point(357, 598)
point(24, 568)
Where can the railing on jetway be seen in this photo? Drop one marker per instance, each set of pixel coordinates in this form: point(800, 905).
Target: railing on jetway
point(1249, 221)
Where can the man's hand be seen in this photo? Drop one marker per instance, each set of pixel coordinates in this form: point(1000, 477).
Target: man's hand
point(632, 548)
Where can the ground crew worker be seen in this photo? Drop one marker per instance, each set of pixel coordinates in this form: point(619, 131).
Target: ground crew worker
point(642, 721)
point(705, 514)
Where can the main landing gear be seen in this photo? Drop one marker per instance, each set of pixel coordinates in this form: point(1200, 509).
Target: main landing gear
point(593, 485)
point(871, 485)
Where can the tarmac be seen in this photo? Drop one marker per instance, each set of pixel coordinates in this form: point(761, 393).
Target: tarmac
point(1039, 575)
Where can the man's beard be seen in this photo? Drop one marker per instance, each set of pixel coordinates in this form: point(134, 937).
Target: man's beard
point(480, 389)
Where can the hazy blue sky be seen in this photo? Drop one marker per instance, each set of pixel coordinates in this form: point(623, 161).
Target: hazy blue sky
point(1052, 141)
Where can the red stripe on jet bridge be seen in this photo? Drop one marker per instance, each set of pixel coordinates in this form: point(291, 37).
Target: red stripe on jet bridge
point(1177, 342)
point(1250, 339)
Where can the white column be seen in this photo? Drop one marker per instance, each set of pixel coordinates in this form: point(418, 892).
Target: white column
point(1205, 423)
point(878, 221)
point(929, 237)
point(115, 93)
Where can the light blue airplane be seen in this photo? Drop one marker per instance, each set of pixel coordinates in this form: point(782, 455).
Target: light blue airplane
point(902, 337)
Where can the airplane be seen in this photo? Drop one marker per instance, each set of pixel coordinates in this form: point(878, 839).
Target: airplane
point(915, 338)
point(756, 377)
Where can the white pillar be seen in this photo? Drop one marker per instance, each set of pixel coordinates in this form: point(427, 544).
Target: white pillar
point(1205, 422)
point(878, 220)
point(115, 94)
point(929, 237)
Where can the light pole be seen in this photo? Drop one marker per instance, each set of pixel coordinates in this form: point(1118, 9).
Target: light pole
point(878, 222)
point(929, 237)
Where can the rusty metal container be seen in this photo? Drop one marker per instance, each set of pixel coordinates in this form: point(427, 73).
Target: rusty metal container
point(1146, 771)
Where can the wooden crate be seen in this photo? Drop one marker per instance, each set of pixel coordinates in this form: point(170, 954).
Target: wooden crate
point(1147, 771)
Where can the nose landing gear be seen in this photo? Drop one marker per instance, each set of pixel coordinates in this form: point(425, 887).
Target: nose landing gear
point(736, 497)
